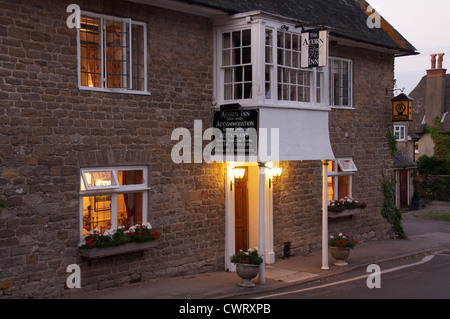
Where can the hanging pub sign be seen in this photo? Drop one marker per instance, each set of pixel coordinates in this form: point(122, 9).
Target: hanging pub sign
point(402, 108)
point(314, 48)
point(239, 131)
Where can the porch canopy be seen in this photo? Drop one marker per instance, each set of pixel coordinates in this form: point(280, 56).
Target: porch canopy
point(303, 135)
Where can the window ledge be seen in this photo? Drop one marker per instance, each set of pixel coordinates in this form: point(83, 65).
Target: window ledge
point(343, 108)
point(86, 88)
point(345, 213)
point(95, 253)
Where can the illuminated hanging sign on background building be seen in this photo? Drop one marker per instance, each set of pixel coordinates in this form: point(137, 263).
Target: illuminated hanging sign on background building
point(314, 48)
point(402, 108)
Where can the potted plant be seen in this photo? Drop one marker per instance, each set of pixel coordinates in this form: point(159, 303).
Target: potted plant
point(416, 202)
point(247, 265)
point(340, 246)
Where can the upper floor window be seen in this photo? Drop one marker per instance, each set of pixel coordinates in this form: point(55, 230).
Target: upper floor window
point(112, 54)
point(399, 132)
point(340, 82)
point(265, 70)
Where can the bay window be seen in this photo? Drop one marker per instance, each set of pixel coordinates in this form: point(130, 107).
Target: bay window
point(112, 197)
point(259, 65)
point(112, 54)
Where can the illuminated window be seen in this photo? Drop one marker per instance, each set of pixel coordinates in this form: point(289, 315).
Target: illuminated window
point(340, 178)
point(112, 54)
point(112, 197)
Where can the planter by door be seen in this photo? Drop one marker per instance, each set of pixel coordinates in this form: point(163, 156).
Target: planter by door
point(340, 255)
point(247, 273)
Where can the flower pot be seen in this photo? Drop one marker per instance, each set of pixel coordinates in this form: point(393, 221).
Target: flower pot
point(340, 254)
point(247, 272)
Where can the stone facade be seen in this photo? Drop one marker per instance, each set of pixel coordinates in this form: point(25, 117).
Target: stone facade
point(50, 130)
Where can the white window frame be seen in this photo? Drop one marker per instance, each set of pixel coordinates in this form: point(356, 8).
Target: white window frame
point(401, 131)
point(332, 89)
point(114, 192)
point(114, 181)
point(259, 98)
point(102, 80)
point(347, 172)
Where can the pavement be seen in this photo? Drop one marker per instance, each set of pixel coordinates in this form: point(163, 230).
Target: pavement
point(425, 236)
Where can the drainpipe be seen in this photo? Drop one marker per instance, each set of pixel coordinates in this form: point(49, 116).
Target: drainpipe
point(325, 214)
point(262, 218)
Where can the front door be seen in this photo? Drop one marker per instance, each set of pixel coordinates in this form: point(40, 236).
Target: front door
point(241, 212)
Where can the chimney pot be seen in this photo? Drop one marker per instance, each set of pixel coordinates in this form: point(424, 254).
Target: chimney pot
point(433, 61)
point(440, 60)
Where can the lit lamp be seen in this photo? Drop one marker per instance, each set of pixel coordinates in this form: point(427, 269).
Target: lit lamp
point(276, 172)
point(402, 108)
point(238, 174)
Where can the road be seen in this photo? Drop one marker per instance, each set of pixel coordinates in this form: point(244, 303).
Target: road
point(424, 277)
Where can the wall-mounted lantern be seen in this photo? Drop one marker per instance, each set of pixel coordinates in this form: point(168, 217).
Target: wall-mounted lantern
point(402, 108)
point(238, 172)
point(275, 172)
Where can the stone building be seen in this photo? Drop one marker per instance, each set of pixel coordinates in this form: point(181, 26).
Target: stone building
point(87, 139)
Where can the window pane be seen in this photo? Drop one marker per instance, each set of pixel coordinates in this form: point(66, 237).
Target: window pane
point(130, 177)
point(129, 209)
point(347, 165)
point(138, 49)
point(343, 186)
point(117, 54)
point(96, 213)
point(99, 179)
point(226, 40)
point(90, 51)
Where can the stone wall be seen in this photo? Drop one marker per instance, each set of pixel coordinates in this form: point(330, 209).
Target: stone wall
point(50, 129)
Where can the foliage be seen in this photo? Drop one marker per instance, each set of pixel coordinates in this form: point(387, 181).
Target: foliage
point(433, 165)
point(345, 203)
point(392, 213)
point(433, 187)
point(250, 257)
point(340, 241)
point(441, 141)
point(120, 236)
point(392, 143)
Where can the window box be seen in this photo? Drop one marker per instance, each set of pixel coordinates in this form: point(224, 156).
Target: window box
point(95, 253)
point(345, 213)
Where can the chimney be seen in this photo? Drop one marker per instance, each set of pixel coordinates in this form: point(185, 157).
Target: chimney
point(435, 90)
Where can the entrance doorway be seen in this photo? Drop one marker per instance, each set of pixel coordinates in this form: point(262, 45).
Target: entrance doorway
point(241, 214)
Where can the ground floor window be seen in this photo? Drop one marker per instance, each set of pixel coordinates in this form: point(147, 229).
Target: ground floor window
point(340, 178)
point(112, 198)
